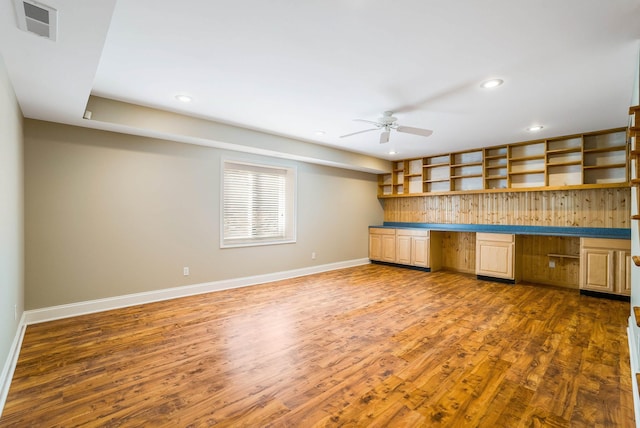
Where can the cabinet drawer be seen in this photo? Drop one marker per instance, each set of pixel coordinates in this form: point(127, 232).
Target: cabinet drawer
point(500, 237)
point(382, 231)
point(606, 243)
point(412, 232)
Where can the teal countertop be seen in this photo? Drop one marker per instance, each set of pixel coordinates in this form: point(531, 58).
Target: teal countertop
point(586, 232)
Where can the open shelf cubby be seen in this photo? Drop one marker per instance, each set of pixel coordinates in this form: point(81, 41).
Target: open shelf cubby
point(594, 159)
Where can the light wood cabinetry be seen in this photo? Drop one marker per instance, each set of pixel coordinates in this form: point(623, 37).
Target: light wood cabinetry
point(590, 160)
point(599, 265)
point(564, 162)
point(413, 176)
point(605, 265)
point(437, 174)
point(605, 158)
point(385, 185)
point(634, 133)
point(467, 170)
point(382, 244)
point(496, 256)
point(495, 167)
point(625, 265)
point(527, 165)
point(410, 247)
point(398, 178)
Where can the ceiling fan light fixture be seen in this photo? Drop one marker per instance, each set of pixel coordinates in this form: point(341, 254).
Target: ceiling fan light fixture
point(386, 123)
point(492, 83)
point(535, 128)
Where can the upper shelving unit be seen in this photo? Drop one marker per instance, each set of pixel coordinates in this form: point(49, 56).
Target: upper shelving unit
point(595, 159)
point(633, 134)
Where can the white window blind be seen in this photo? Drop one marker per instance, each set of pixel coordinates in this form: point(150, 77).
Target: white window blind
point(258, 204)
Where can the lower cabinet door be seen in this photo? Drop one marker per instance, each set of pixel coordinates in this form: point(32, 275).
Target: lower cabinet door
point(420, 251)
point(403, 249)
point(605, 265)
point(624, 273)
point(389, 248)
point(375, 246)
point(495, 259)
point(382, 244)
point(597, 272)
point(412, 247)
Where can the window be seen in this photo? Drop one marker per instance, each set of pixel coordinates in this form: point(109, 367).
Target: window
point(257, 204)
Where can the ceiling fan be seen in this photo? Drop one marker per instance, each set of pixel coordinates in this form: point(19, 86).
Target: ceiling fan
point(388, 122)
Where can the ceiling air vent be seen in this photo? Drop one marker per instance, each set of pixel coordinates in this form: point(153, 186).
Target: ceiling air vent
point(37, 18)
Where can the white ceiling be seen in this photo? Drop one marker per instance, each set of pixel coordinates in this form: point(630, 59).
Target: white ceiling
point(292, 68)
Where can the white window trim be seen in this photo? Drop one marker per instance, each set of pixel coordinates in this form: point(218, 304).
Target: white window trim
point(292, 202)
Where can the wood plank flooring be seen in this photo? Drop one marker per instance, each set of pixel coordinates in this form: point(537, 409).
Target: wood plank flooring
point(366, 346)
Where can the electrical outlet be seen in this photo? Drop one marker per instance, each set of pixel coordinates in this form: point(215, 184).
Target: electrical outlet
point(185, 271)
point(552, 263)
point(313, 255)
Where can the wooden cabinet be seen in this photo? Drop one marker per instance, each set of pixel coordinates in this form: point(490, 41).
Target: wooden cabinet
point(625, 272)
point(496, 256)
point(605, 265)
point(412, 247)
point(382, 244)
point(589, 160)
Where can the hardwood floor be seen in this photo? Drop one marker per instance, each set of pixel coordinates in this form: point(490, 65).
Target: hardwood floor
point(366, 346)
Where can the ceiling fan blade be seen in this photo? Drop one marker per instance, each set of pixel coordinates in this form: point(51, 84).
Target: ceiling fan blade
point(368, 121)
point(415, 131)
point(384, 137)
point(359, 132)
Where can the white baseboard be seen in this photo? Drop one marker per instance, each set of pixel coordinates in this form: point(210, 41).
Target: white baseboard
point(10, 364)
point(91, 306)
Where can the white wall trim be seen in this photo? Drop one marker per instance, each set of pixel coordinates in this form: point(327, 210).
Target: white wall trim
point(11, 361)
point(91, 306)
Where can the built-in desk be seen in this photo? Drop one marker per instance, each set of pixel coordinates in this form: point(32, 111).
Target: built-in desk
point(580, 232)
point(540, 254)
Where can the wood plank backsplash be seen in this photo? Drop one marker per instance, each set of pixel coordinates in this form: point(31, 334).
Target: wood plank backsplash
point(607, 207)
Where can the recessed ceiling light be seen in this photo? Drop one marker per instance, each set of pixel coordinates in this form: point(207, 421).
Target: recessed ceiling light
point(393, 152)
point(493, 83)
point(183, 98)
point(319, 133)
point(535, 128)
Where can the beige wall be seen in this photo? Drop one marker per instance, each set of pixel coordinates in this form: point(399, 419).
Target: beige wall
point(11, 210)
point(110, 214)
